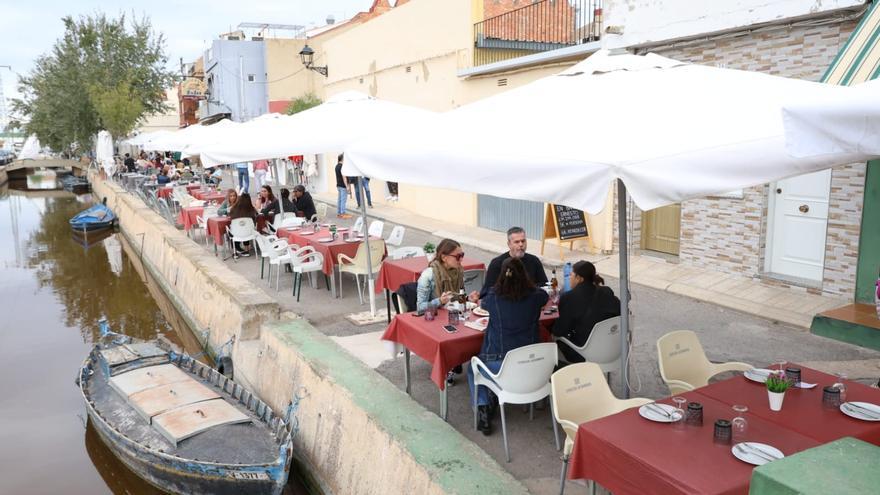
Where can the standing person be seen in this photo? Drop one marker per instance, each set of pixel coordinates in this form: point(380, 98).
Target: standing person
point(355, 186)
point(341, 189)
point(243, 208)
point(516, 245)
point(366, 181)
point(261, 168)
point(304, 202)
point(587, 303)
point(244, 180)
point(129, 163)
point(514, 304)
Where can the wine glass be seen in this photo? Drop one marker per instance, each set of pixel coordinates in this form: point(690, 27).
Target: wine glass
point(781, 365)
point(739, 424)
point(678, 414)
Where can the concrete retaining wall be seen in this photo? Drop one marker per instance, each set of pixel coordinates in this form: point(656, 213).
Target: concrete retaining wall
point(358, 433)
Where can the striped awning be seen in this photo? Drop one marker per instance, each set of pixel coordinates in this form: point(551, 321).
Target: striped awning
point(859, 60)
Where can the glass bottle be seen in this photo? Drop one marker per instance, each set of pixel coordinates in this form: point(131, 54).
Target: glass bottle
point(554, 284)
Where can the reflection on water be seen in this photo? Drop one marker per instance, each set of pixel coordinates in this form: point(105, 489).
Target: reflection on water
point(54, 287)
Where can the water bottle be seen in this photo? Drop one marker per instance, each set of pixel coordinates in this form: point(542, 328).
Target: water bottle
point(566, 277)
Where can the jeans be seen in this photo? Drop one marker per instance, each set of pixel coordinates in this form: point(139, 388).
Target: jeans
point(483, 394)
point(367, 192)
point(340, 201)
point(260, 178)
point(244, 180)
point(357, 192)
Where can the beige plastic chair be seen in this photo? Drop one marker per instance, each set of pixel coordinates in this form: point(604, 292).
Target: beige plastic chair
point(357, 266)
point(683, 364)
point(320, 212)
point(580, 394)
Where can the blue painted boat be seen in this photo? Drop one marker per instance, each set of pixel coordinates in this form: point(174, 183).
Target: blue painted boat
point(157, 411)
point(95, 218)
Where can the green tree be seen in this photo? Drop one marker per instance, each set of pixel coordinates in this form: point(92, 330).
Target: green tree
point(304, 102)
point(103, 73)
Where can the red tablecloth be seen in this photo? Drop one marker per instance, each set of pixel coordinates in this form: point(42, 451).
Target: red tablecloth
point(628, 454)
point(187, 216)
point(329, 250)
point(216, 228)
point(802, 409)
point(428, 340)
point(209, 196)
point(164, 192)
point(395, 273)
point(193, 187)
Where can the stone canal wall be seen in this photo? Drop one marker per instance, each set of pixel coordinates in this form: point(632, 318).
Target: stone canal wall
point(357, 432)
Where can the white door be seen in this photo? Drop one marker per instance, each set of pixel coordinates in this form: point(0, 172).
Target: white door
point(799, 216)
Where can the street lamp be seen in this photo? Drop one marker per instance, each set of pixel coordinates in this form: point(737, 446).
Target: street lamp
point(307, 55)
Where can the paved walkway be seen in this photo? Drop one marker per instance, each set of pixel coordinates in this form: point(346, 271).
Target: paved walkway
point(793, 306)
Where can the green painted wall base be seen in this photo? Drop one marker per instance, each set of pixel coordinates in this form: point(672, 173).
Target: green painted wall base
point(845, 331)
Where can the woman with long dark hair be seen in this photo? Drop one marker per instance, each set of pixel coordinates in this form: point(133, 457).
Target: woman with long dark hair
point(243, 208)
point(514, 305)
point(587, 303)
point(268, 202)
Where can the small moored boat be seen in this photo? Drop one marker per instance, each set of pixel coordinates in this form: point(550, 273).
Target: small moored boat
point(95, 218)
point(181, 425)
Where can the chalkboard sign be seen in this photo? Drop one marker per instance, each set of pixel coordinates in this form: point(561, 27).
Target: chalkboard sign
point(570, 223)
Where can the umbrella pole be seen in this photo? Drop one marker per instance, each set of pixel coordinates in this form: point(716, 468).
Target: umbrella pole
point(370, 283)
point(624, 286)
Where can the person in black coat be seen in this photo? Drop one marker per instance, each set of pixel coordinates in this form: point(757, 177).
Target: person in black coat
point(587, 303)
point(516, 244)
point(304, 202)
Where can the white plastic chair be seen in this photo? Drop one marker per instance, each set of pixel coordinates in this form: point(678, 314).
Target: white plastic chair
point(320, 212)
point(376, 228)
point(395, 238)
point(524, 378)
point(357, 266)
point(358, 226)
point(202, 220)
point(275, 250)
point(602, 346)
point(240, 230)
point(406, 252)
point(580, 394)
point(305, 260)
point(683, 364)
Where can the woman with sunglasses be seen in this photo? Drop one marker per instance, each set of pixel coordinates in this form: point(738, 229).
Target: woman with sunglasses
point(443, 278)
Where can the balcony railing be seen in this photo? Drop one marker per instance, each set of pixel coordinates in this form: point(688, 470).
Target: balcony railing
point(538, 27)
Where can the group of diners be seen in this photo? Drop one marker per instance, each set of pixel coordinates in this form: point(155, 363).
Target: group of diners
point(512, 294)
point(267, 204)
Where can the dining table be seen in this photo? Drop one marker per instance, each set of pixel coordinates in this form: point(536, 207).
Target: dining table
point(329, 247)
point(164, 192)
point(442, 349)
point(628, 454)
point(395, 273)
point(208, 196)
point(188, 216)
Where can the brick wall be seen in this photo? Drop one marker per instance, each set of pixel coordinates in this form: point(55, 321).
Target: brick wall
point(730, 234)
point(549, 21)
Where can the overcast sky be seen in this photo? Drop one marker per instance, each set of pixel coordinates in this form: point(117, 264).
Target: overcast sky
point(29, 28)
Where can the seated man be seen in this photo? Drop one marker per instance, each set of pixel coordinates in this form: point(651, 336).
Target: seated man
point(516, 244)
point(303, 201)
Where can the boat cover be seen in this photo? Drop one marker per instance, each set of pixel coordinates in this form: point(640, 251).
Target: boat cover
point(185, 421)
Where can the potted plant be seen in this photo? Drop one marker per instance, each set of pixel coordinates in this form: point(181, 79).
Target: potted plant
point(429, 249)
point(777, 384)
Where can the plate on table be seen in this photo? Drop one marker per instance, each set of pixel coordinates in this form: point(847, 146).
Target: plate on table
point(481, 312)
point(306, 233)
point(864, 411)
point(759, 375)
point(341, 229)
point(352, 240)
point(653, 412)
point(325, 239)
point(756, 454)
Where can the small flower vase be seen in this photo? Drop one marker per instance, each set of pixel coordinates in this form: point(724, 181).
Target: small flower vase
point(776, 400)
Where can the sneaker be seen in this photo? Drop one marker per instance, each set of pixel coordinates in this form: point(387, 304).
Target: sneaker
point(340, 215)
point(246, 253)
point(484, 421)
point(450, 378)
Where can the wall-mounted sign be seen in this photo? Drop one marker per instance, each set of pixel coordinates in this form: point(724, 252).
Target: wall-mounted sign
point(193, 89)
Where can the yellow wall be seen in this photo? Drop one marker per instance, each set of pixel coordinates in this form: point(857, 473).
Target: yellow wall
point(287, 77)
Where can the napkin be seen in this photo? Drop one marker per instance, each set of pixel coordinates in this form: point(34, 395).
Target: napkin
point(475, 325)
point(804, 385)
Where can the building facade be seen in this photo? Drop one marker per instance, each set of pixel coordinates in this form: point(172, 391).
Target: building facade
point(235, 79)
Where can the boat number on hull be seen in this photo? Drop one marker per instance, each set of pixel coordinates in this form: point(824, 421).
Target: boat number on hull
point(249, 476)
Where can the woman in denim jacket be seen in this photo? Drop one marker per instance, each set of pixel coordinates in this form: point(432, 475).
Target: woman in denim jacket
point(514, 305)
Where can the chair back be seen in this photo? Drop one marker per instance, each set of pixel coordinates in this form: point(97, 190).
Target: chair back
point(473, 280)
point(264, 246)
point(358, 226)
point(377, 251)
point(395, 238)
point(527, 369)
point(376, 228)
point(321, 211)
point(241, 227)
point(603, 344)
point(580, 394)
point(406, 252)
point(681, 357)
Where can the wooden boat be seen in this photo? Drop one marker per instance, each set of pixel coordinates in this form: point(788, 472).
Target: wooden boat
point(181, 425)
point(95, 218)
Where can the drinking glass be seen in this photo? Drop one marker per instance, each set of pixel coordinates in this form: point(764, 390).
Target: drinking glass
point(780, 365)
point(841, 385)
point(679, 402)
point(739, 423)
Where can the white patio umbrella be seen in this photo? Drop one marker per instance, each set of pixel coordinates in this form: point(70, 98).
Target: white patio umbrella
point(104, 152)
point(192, 136)
point(146, 137)
point(667, 131)
point(329, 127)
point(846, 120)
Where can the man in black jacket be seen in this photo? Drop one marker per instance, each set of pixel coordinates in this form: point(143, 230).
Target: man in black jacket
point(516, 244)
point(304, 202)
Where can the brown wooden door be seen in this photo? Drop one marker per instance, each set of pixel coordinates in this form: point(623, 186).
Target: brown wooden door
point(661, 229)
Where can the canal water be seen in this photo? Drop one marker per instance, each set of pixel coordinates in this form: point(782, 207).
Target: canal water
point(54, 287)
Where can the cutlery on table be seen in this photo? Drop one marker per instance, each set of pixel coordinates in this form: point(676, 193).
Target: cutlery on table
point(862, 410)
